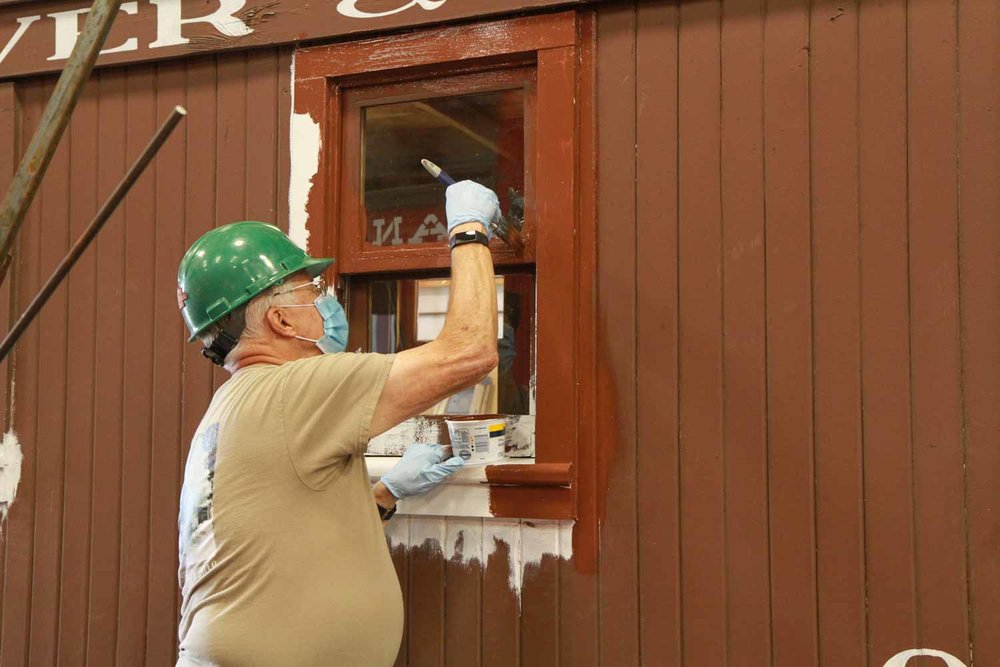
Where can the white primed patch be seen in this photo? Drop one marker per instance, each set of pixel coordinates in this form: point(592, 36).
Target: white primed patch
point(304, 145)
point(10, 471)
point(469, 539)
point(903, 658)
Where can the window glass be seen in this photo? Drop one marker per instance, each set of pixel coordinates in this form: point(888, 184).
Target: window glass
point(478, 137)
point(405, 313)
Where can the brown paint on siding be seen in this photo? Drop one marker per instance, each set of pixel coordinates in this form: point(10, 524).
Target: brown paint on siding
point(940, 544)
point(700, 410)
point(501, 608)
point(789, 334)
point(81, 367)
point(168, 378)
point(885, 322)
point(108, 393)
point(658, 476)
point(425, 604)
point(748, 598)
point(463, 593)
point(836, 336)
point(105, 555)
point(616, 341)
point(540, 602)
point(138, 286)
point(51, 410)
point(979, 271)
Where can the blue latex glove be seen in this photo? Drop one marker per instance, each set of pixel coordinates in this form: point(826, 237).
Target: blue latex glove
point(421, 469)
point(468, 201)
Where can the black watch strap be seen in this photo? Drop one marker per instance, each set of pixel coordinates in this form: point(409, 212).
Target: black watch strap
point(469, 236)
point(386, 514)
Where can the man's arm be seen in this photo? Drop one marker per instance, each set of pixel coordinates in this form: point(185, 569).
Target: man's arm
point(464, 352)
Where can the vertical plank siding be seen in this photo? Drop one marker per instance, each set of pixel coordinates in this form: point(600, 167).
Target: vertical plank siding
point(106, 391)
point(798, 301)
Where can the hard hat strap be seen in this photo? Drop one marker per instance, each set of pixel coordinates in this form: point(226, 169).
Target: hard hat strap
point(226, 339)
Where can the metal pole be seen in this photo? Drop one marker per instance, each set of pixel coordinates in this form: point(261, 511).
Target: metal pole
point(60, 107)
point(95, 226)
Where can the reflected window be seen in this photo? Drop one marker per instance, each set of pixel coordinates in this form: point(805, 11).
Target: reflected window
point(478, 136)
point(405, 313)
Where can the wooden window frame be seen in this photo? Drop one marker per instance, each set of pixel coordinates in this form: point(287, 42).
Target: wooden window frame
point(560, 484)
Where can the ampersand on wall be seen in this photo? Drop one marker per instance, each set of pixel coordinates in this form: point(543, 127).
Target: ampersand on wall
point(350, 8)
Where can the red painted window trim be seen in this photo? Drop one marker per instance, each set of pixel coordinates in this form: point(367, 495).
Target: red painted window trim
point(562, 483)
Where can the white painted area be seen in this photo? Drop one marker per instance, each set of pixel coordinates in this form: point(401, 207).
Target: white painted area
point(304, 144)
point(169, 21)
point(466, 540)
point(10, 471)
point(23, 24)
point(464, 494)
point(67, 30)
point(903, 658)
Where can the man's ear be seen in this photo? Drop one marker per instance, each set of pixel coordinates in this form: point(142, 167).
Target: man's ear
point(278, 323)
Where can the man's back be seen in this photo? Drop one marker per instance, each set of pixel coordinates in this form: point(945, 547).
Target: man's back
point(282, 556)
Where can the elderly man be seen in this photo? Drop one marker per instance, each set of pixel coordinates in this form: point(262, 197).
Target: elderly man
point(282, 556)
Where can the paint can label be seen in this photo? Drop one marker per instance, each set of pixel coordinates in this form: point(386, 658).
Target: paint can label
point(478, 441)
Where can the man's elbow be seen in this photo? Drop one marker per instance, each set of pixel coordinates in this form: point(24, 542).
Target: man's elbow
point(478, 362)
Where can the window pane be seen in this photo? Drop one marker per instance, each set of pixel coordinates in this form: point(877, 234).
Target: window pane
point(478, 137)
point(407, 313)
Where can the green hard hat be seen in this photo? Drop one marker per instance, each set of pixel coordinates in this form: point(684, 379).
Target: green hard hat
point(230, 265)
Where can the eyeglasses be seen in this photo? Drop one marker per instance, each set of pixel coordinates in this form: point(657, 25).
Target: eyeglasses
point(318, 283)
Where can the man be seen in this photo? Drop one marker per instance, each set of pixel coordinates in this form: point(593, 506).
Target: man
point(282, 556)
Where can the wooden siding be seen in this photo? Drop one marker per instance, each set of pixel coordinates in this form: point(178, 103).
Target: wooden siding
point(106, 393)
point(798, 299)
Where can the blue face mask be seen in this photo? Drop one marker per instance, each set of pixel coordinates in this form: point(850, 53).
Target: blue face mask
point(334, 337)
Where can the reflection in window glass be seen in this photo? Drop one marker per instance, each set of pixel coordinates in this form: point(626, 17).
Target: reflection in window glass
point(407, 313)
point(478, 137)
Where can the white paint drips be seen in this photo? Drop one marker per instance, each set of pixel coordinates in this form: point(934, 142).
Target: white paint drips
point(10, 471)
point(304, 145)
point(468, 540)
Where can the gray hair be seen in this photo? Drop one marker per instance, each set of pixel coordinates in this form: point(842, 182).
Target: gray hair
point(255, 326)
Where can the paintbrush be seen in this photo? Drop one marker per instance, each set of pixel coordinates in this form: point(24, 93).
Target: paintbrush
point(502, 229)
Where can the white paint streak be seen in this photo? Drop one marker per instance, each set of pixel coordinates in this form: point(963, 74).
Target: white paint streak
point(304, 145)
point(10, 471)
point(902, 659)
point(465, 540)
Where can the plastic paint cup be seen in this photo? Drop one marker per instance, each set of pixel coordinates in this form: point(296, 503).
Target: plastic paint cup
point(478, 440)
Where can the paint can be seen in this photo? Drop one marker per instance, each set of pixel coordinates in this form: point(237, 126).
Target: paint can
point(478, 439)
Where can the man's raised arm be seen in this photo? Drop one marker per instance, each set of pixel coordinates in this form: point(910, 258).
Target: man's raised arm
point(466, 349)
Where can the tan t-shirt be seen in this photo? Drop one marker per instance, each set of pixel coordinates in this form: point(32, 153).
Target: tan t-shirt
point(283, 560)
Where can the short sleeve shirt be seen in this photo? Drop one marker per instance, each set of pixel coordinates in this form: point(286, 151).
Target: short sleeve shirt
point(283, 560)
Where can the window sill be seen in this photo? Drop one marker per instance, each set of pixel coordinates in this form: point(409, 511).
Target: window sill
point(544, 490)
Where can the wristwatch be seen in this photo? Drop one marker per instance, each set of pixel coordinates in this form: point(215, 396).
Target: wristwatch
point(386, 514)
point(468, 236)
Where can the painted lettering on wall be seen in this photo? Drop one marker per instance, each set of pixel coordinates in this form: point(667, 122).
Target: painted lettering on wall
point(350, 8)
point(902, 659)
point(65, 26)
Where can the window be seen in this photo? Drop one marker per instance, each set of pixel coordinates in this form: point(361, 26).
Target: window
point(506, 104)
